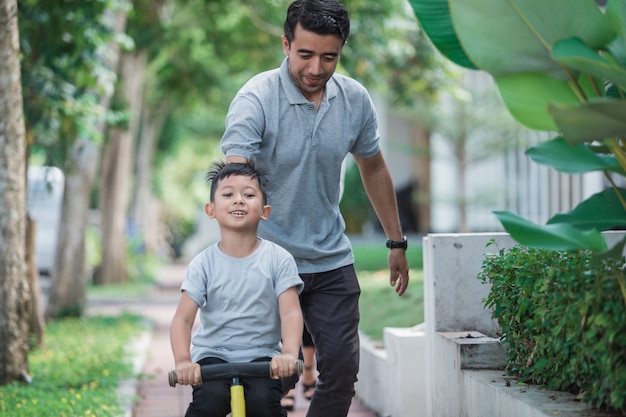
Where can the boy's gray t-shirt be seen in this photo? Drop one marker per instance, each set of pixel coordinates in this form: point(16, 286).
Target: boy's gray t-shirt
point(300, 150)
point(238, 301)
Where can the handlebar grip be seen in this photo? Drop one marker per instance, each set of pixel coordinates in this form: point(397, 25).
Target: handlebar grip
point(235, 370)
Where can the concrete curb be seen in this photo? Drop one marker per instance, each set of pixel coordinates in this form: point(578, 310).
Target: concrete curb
point(137, 349)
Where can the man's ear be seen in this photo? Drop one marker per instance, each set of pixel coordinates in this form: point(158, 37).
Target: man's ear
point(265, 213)
point(209, 209)
point(285, 45)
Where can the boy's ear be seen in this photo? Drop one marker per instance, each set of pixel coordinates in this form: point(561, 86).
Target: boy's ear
point(209, 209)
point(265, 213)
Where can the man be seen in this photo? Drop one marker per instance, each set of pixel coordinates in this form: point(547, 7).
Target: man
point(298, 123)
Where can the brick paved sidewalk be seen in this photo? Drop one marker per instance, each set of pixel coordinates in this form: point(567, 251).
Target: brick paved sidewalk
point(156, 397)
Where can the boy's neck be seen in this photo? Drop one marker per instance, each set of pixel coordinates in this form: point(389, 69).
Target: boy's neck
point(239, 245)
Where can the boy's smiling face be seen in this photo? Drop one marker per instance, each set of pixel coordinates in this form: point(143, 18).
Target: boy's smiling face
point(238, 203)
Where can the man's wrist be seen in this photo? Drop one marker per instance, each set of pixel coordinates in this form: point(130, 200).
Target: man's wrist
point(397, 244)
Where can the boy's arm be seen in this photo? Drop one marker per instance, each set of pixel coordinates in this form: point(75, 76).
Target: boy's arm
point(187, 372)
point(292, 325)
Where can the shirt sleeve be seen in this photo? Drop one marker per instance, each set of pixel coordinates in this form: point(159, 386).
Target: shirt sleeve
point(245, 124)
point(194, 283)
point(287, 273)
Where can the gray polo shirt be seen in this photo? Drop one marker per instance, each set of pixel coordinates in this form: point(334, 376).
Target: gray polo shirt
point(301, 149)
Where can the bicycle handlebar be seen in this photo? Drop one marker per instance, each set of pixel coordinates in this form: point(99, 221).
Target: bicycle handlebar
point(235, 370)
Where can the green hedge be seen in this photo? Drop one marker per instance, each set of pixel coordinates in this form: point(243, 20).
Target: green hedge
point(563, 320)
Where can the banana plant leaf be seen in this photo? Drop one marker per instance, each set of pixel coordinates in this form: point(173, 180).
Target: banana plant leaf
point(433, 17)
point(527, 94)
point(560, 236)
point(601, 211)
point(570, 159)
point(575, 54)
point(594, 120)
point(616, 14)
point(509, 36)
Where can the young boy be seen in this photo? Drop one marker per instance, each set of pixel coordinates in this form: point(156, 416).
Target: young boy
point(247, 291)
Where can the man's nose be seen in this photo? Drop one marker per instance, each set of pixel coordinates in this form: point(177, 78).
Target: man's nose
point(315, 66)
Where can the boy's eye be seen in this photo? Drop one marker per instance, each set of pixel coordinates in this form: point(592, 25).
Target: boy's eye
point(249, 195)
point(227, 194)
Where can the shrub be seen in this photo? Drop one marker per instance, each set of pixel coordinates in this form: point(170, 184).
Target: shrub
point(563, 320)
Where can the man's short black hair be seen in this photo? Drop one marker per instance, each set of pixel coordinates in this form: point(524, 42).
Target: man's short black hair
point(323, 17)
point(220, 170)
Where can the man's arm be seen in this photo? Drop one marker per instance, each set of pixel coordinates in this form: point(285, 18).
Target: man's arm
point(379, 187)
point(237, 159)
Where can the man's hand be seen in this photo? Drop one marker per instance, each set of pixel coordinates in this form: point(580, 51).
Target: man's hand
point(399, 270)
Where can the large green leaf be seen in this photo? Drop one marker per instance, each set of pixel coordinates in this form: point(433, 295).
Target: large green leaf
point(601, 211)
point(572, 159)
point(575, 54)
point(616, 14)
point(594, 120)
point(433, 17)
point(526, 95)
point(560, 236)
point(509, 36)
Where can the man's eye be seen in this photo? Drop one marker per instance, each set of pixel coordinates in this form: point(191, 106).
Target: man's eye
point(305, 56)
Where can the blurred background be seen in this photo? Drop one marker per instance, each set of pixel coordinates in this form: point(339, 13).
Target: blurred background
point(125, 104)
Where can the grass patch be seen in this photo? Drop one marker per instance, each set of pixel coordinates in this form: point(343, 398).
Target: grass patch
point(133, 289)
point(370, 257)
point(379, 304)
point(381, 307)
point(78, 370)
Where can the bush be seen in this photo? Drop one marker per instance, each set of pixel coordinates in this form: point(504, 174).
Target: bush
point(563, 320)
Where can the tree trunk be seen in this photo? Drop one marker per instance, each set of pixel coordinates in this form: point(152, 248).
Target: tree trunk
point(145, 210)
point(421, 168)
point(69, 278)
point(32, 272)
point(117, 171)
point(14, 290)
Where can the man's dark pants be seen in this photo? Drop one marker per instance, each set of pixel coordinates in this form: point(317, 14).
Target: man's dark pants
point(330, 305)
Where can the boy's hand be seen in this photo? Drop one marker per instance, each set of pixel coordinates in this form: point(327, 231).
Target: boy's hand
point(283, 366)
point(188, 373)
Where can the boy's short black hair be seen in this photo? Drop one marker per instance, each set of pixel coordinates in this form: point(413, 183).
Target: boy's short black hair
point(323, 17)
point(220, 170)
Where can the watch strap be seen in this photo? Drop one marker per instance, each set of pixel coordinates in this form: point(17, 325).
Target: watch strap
point(397, 244)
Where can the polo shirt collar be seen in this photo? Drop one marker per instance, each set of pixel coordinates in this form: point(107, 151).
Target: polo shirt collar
point(294, 95)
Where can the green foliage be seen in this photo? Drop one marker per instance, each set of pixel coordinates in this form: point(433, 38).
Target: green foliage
point(64, 71)
point(77, 372)
point(560, 66)
point(563, 320)
point(354, 205)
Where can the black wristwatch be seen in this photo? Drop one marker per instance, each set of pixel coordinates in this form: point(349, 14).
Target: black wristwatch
point(394, 244)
